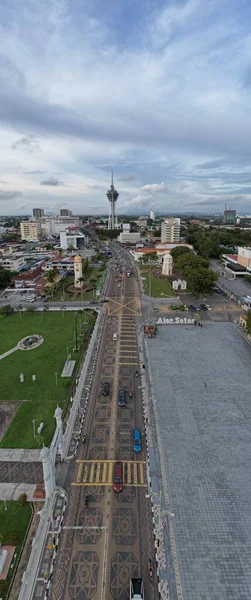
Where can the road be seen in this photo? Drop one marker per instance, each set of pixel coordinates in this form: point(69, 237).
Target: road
point(114, 538)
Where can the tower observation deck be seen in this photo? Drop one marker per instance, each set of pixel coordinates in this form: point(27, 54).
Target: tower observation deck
point(112, 196)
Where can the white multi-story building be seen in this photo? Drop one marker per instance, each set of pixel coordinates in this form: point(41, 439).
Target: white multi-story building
point(76, 240)
point(170, 230)
point(54, 225)
point(129, 237)
point(12, 263)
point(30, 230)
point(152, 214)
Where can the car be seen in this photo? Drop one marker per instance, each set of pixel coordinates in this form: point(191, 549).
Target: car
point(197, 308)
point(105, 388)
point(218, 290)
point(136, 588)
point(192, 308)
point(122, 400)
point(118, 481)
point(208, 307)
point(203, 307)
point(115, 337)
point(156, 309)
point(136, 440)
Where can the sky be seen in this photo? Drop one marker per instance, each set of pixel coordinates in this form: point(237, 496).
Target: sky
point(157, 90)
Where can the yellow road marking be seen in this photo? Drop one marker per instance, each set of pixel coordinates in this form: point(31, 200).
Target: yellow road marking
point(86, 473)
point(92, 471)
point(125, 364)
point(108, 461)
point(132, 351)
point(104, 472)
point(95, 484)
point(129, 473)
point(98, 471)
point(80, 470)
point(141, 473)
point(135, 473)
point(110, 476)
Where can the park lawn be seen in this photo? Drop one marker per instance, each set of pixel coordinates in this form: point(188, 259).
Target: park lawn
point(14, 520)
point(20, 433)
point(40, 397)
point(159, 287)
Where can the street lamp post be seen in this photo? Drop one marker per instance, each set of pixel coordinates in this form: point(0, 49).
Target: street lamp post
point(56, 375)
point(76, 331)
point(5, 505)
point(34, 427)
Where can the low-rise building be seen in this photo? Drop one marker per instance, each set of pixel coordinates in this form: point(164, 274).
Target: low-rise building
point(75, 240)
point(54, 225)
point(129, 237)
point(12, 263)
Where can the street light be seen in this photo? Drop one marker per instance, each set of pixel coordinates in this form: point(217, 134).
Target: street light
point(5, 505)
point(34, 427)
point(56, 375)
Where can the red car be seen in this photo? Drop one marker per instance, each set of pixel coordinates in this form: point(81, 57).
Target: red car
point(118, 483)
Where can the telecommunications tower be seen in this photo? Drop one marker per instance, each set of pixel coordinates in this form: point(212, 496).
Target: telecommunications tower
point(112, 196)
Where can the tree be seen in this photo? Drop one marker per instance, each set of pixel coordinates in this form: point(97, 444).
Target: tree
point(5, 278)
point(6, 310)
point(249, 322)
point(71, 248)
point(51, 275)
point(179, 251)
point(30, 309)
point(200, 281)
point(149, 257)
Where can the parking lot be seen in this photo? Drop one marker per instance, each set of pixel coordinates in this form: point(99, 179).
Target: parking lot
point(202, 385)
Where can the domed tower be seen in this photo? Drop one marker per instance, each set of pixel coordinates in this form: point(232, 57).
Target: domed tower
point(78, 271)
point(112, 196)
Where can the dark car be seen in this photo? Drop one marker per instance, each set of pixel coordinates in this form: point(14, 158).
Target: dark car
point(204, 307)
point(122, 400)
point(105, 388)
point(118, 481)
point(192, 308)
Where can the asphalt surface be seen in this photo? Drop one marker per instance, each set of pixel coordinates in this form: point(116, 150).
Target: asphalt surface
point(202, 379)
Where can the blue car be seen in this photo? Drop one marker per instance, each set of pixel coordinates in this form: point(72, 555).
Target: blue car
point(136, 440)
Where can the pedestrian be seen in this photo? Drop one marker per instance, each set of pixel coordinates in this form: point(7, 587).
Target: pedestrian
point(195, 323)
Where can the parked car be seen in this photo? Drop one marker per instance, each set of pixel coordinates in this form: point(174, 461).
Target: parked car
point(136, 440)
point(105, 388)
point(118, 481)
point(192, 308)
point(115, 337)
point(208, 307)
point(122, 400)
point(204, 307)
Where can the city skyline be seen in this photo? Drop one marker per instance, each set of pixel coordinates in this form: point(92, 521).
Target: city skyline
point(158, 91)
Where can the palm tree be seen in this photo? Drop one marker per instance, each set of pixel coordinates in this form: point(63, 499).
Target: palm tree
point(50, 275)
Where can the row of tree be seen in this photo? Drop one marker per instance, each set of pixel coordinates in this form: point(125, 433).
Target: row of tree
point(211, 243)
point(195, 269)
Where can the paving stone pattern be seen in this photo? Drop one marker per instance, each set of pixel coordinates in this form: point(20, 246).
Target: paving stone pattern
point(202, 380)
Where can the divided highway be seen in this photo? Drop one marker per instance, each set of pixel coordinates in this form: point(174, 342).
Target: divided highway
point(108, 535)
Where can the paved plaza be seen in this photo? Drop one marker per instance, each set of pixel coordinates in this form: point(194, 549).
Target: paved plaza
point(202, 381)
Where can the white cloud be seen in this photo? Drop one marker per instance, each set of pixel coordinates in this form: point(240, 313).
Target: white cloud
point(154, 188)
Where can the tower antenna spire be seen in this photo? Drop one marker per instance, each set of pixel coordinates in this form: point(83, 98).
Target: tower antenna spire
point(112, 177)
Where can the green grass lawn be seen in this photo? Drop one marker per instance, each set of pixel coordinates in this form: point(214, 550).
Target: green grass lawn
point(40, 397)
point(61, 293)
point(14, 520)
point(159, 287)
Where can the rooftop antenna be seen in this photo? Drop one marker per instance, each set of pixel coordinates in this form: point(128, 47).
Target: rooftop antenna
point(112, 178)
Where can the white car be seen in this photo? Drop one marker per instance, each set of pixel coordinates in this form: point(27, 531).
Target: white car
point(208, 307)
point(115, 337)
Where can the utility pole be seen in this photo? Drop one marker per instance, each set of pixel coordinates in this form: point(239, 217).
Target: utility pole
point(76, 331)
point(150, 290)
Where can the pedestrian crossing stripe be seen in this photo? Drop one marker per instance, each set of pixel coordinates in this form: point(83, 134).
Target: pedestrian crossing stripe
point(102, 473)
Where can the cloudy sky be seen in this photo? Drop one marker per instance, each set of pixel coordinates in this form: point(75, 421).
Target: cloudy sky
point(158, 90)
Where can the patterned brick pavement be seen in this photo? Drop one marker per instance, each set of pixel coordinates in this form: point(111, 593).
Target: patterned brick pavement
point(110, 540)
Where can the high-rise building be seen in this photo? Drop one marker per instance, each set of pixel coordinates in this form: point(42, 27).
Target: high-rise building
point(112, 196)
point(152, 214)
point(229, 216)
point(170, 230)
point(64, 212)
point(30, 230)
point(38, 213)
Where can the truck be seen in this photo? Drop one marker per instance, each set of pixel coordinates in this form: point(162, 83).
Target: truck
point(136, 588)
